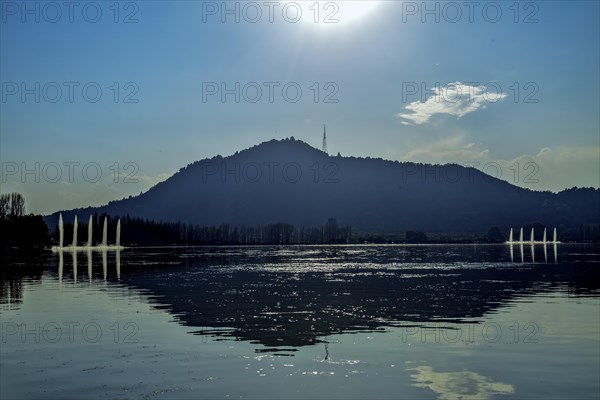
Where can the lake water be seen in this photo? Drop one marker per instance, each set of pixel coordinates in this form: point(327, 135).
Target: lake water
point(342, 322)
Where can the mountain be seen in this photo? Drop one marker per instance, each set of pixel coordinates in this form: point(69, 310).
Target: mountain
point(290, 181)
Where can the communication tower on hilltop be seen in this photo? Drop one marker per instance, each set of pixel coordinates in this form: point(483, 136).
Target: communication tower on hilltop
point(324, 140)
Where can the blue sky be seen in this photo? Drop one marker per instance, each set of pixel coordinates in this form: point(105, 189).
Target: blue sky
point(170, 53)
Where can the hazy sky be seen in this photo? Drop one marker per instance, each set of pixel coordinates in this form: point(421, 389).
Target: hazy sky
point(503, 84)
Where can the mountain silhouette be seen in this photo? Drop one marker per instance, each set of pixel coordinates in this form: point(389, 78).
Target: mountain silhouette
point(290, 181)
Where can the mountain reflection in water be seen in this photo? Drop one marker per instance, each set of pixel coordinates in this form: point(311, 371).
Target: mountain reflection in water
point(295, 296)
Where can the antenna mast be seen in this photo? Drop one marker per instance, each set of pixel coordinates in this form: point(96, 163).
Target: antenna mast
point(324, 140)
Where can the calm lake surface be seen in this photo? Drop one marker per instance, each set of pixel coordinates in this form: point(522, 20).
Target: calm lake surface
point(417, 322)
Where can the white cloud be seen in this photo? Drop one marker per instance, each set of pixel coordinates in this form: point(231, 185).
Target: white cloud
point(456, 99)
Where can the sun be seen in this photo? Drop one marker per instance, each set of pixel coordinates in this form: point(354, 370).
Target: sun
point(353, 10)
point(336, 13)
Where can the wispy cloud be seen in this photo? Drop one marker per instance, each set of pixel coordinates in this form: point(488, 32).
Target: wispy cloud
point(43, 197)
point(547, 169)
point(456, 99)
point(449, 149)
point(550, 168)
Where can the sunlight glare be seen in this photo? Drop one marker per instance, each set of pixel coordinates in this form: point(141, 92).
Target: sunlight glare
point(336, 13)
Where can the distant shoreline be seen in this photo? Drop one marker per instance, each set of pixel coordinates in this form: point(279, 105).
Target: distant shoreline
point(131, 247)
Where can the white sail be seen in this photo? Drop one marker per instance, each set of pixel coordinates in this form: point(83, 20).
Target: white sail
point(510, 236)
